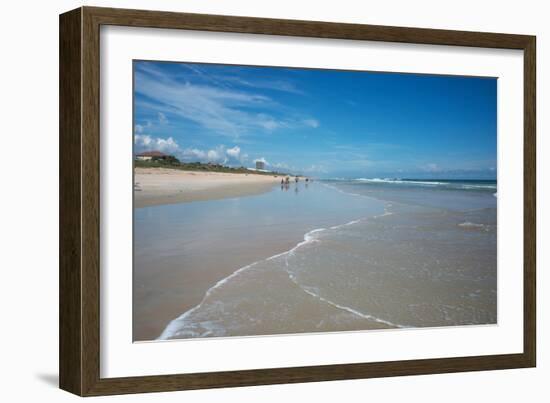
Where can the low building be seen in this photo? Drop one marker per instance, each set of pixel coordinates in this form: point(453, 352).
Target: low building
point(152, 156)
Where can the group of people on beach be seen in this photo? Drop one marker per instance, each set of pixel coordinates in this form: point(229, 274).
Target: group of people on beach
point(285, 182)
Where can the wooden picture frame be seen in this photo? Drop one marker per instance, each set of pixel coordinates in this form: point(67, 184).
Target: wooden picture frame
point(80, 199)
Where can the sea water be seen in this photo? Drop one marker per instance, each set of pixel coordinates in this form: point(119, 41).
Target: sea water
point(182, 250)
point(374, 254)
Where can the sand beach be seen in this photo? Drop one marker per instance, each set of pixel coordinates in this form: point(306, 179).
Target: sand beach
point(157, 186)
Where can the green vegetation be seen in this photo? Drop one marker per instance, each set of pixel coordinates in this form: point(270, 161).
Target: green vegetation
point(198, 166)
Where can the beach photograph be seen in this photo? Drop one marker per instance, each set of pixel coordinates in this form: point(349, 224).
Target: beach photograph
point(277, 200)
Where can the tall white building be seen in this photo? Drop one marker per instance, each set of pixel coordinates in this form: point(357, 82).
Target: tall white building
point(260, 165)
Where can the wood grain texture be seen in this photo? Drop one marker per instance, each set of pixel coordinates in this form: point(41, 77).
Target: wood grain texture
point(70, 273)
point(90, 202)
point(530, 202)
point(316, 29)
point(80, 200)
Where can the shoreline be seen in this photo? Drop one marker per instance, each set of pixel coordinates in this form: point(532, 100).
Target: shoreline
point(151, 321)
point(371, 322)
point(191, 259)
point(275, 284)
point(207, 257)
point(162, 186)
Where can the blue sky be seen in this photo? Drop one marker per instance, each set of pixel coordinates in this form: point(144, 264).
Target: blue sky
point(323, 123)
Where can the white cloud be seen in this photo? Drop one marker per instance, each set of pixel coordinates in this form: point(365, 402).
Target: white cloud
point(230, 80)
point(162, 118)
point(316, 169)
point(269, 123)
point(145, 142)
point(227, 111)
point(261, 160)
point(140, 128)
point(194, 153)
point(168, 144)
point(214, 155)
point(142, 140)
point(314, 123)
point(234, 152)
point(280, 165)
point(219, 154)
point(219, 109)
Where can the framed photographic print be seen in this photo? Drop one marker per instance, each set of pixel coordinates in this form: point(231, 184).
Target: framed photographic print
point(249, 201)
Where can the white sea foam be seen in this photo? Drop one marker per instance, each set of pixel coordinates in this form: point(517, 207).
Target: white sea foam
point(348, 309)
point(400, 181)
point(175, 326)
point(386, 206)
point(346, 193)
point(456, 185)
point(469, 224)
point(384, 214)
point(478, 186)
point(346, 224)
point(332, 303)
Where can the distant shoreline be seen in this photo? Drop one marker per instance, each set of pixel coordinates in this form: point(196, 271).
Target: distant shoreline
point(203, 167)
point(160, 186)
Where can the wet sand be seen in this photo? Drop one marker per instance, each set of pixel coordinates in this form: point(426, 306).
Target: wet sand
point(166, 287)
point(362, 275)
point(160, 289)
point(182, 250)
point(158, 186)
point(315, 258)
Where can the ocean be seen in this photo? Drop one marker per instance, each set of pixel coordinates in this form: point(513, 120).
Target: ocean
point(360, 255)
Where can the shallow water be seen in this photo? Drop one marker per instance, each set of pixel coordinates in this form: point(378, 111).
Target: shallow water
point(374, 255)
point(182, 250)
